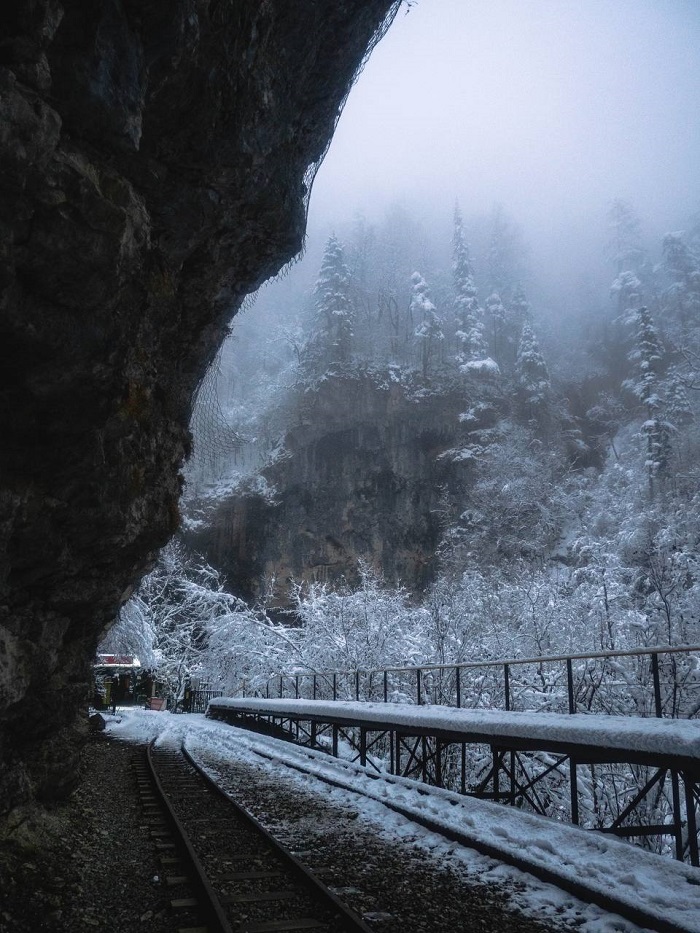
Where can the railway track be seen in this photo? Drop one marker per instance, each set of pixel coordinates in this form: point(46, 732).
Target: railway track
point(305, 760)
point(226, 872)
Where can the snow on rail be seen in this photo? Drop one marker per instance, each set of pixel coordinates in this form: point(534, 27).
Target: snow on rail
point(658, 737)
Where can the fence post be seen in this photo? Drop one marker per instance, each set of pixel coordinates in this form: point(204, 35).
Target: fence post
point(458, 684)
point(677, 817)
point(657, 684)
point(570, 685)
point(692, 822)
point(419, 699)
point(506, 683)
point(573, 781)
point(386, 686)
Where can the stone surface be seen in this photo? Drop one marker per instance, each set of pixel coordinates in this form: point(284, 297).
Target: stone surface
point(153, 171)
point(363, 476)
point(97, 722)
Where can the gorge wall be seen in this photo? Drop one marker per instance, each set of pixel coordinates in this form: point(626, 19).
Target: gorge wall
point(153, 171)
point(362, 475)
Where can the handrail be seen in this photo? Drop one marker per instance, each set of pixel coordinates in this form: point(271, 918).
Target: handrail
point(464, 665)
point(421, 672)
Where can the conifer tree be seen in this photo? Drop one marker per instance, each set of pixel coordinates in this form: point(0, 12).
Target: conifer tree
point(627, 290)
point(519, 307)
point(470, 328)
point(498, 317)
point(516, 314)
point(648, 353)
point(680, 412)
point(682, 296)
point(429, 330)
point(531, 372)
point(332, 339)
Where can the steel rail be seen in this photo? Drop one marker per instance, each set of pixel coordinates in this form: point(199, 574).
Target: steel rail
point(350, 921)
point(467, 665)
point(211, 907)
point(502, 854)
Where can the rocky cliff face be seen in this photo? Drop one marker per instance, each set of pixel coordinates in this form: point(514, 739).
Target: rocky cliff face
point(363, 475)
point(153, 171)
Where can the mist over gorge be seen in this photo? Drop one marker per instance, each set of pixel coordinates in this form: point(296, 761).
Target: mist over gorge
point(560, 483)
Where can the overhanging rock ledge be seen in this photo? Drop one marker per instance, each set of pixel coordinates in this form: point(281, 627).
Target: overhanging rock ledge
point(154, 162)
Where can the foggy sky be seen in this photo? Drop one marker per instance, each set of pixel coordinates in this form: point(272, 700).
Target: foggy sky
point(552, 107)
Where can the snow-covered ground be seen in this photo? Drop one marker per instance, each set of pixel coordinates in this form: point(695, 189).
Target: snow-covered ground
point(666, 889)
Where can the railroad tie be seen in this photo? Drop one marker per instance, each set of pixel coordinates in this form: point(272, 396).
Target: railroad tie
point(273, 926)
point(184, 903)
point(261, 898)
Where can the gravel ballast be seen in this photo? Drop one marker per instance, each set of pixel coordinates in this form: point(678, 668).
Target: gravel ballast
point(97, 867)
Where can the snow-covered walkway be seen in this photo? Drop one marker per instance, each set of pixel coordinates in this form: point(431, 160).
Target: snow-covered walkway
point(675, 739)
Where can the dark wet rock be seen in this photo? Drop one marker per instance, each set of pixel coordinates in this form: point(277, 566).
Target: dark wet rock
point(364, 473)
point(97, 722)
point(153, 171)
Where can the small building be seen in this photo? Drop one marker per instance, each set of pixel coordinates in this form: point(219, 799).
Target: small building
point(121, 675)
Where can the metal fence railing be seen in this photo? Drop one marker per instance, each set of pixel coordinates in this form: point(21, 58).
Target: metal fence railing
point(662, 681)
point(198, 700)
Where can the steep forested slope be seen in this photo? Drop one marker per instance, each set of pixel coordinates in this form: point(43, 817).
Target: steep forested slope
point(438, 439)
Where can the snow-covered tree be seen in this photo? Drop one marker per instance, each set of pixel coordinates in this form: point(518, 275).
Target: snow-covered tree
point(512, 320)
point(184, 624)
point(334, 320)
point(519, 306)
point(679, 409)
point(133, 633)
point(626, 289)
point(429, 330)
point(648, 354)
point(531, 372)
point(358, 628)
point(506, 324)
point(498, 317)
point(681, 298)
point(470, 326)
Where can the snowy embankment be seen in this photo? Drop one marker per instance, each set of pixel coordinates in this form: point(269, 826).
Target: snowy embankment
point(665, 889)
point(673, 737)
